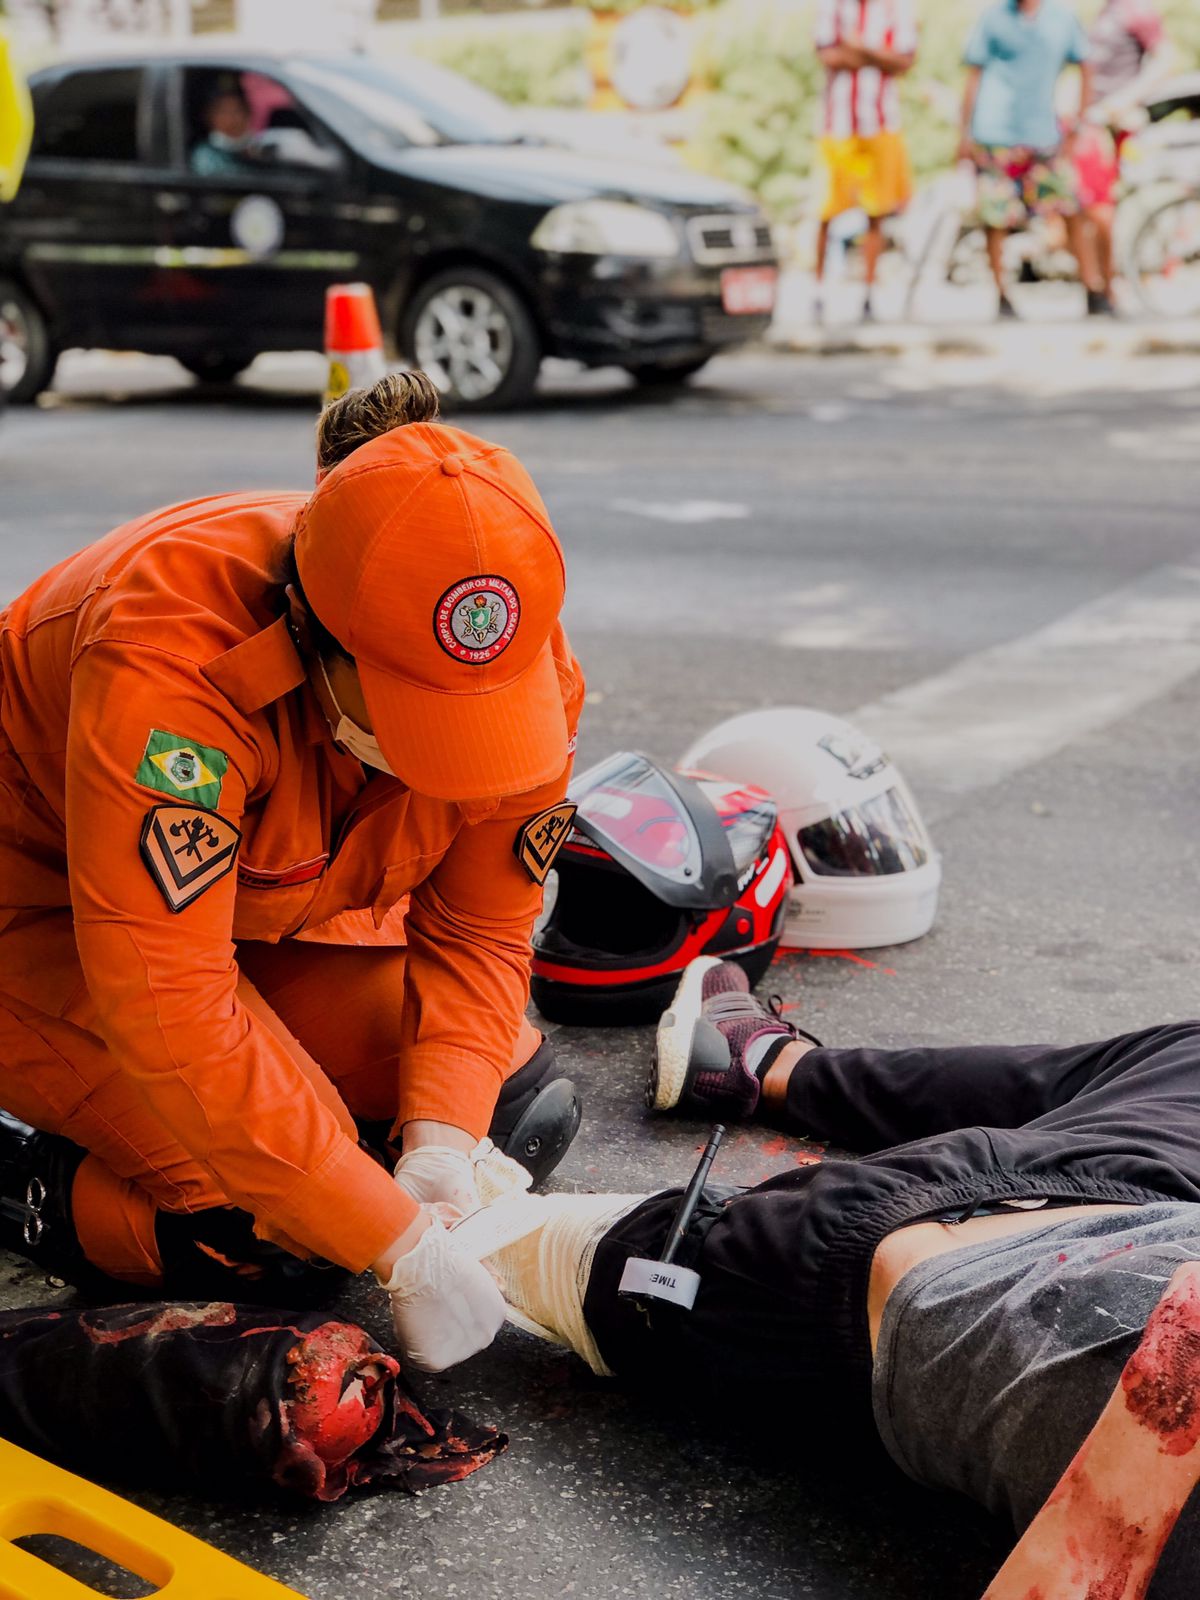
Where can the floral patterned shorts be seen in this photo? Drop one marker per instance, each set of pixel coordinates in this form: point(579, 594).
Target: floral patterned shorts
point(1016, 183)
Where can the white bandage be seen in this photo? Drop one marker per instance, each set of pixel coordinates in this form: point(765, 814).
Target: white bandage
point(497, 1174)
point(541, 1248)
point(445, 1305)
point(436, 1174)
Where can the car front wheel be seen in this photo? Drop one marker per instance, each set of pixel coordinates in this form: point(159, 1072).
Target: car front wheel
point(471, 333)
point(27, 354)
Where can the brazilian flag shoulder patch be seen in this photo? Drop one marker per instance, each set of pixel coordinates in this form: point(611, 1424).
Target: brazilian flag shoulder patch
point(179, 766)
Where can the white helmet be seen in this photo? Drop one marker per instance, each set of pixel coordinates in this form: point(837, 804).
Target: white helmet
point(866, 872)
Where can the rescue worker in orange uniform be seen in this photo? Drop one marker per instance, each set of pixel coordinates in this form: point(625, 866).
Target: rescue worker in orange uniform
point(280, 782)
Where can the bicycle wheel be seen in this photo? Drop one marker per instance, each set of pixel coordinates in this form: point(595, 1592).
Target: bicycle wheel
point(1164, 259)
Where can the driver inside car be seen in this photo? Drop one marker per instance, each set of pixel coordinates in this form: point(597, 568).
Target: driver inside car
point(229, 145)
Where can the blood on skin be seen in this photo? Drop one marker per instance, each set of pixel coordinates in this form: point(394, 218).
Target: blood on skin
point(1162, 1378)
point(1107, 1551)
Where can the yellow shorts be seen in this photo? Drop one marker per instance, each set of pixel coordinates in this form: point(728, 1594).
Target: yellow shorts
point(868, 170)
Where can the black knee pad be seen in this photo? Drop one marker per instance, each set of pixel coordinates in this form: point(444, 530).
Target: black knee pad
point(537, 1115)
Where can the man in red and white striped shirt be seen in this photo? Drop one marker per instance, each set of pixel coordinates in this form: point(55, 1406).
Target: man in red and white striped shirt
point(865, 47)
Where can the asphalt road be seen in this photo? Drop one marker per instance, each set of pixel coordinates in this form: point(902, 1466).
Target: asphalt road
point(829, 533)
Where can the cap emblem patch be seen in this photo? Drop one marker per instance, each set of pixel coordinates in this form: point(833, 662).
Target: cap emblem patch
point(542, 837)
point(476, 619)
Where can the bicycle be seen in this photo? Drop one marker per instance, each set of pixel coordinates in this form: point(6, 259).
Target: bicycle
point(1162, 261)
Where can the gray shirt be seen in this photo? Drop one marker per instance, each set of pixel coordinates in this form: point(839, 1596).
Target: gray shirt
point(995, 1361)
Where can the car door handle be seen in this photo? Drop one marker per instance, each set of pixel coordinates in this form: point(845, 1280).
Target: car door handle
point(169, 203)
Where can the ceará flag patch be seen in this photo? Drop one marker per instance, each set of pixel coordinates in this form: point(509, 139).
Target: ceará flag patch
point(182, 767)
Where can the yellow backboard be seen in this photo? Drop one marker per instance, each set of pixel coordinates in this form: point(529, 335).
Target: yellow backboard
point(38, 1498)
point(16, 123)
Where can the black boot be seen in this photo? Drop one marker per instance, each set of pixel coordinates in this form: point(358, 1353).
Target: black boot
point(1099, 304)
point(215, 1255)
point(537, 1114)
point(207, 1255)
point(37, 1172)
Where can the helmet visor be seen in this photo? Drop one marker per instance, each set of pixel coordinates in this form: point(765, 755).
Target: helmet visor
point(874, 839)
point(660, 827)
point(748, 817)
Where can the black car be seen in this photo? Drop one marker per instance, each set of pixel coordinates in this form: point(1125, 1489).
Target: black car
point(198, 206)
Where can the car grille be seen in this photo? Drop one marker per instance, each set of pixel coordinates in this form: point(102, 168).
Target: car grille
point(739, 237)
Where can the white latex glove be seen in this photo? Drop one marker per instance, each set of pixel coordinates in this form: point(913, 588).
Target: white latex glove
point(445, 1306)
point(435, 1175)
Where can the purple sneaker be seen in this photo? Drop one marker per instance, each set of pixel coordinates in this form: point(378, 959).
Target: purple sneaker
point(700, 1050)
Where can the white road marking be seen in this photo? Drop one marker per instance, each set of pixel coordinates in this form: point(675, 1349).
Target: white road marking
point(1005, 708)
point(1180, 442)
point(836, 618)
point(684, 510)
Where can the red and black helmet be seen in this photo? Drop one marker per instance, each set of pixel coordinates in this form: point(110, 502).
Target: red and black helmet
point(660, 867)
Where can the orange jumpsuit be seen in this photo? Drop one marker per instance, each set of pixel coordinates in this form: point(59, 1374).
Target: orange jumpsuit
point(200, 1065)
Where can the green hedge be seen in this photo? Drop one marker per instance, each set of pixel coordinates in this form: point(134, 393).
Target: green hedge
point(1183, 26)
point(757, 127)
point(526, 67)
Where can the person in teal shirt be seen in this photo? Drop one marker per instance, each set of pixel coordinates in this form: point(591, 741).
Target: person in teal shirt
point(229, 147)
point(1012, 133)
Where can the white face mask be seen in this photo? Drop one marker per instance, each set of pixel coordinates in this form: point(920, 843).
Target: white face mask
point(347, 732)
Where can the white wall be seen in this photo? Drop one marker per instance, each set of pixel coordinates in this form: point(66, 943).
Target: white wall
point(307, 24)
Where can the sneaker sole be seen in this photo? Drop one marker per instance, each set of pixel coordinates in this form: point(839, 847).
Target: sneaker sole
point(673, 1041)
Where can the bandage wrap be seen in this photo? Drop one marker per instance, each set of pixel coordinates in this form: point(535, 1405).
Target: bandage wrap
point(440, 1175)
point(541, 1248)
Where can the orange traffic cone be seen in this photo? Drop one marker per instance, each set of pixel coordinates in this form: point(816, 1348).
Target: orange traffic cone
point(353, 339)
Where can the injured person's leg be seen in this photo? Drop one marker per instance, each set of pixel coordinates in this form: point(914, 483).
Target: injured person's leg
point(541, 1249)
point(994, 1365)
point(719, 1051)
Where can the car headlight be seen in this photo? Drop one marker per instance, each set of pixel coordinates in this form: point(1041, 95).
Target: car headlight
point(605, 228)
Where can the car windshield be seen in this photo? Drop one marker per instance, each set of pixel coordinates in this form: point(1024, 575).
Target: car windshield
point(405, 104)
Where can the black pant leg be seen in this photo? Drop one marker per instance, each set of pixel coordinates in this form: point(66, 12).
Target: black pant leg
point(867, 1100)
point(1140, 1119)
point(782, 1309)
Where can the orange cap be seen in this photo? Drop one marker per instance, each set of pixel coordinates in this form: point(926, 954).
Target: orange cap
point(351, 318)
point(429, 555)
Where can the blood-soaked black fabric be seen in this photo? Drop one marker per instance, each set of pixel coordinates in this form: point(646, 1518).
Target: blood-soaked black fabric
point(223, 1399)
point(782, 1306)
